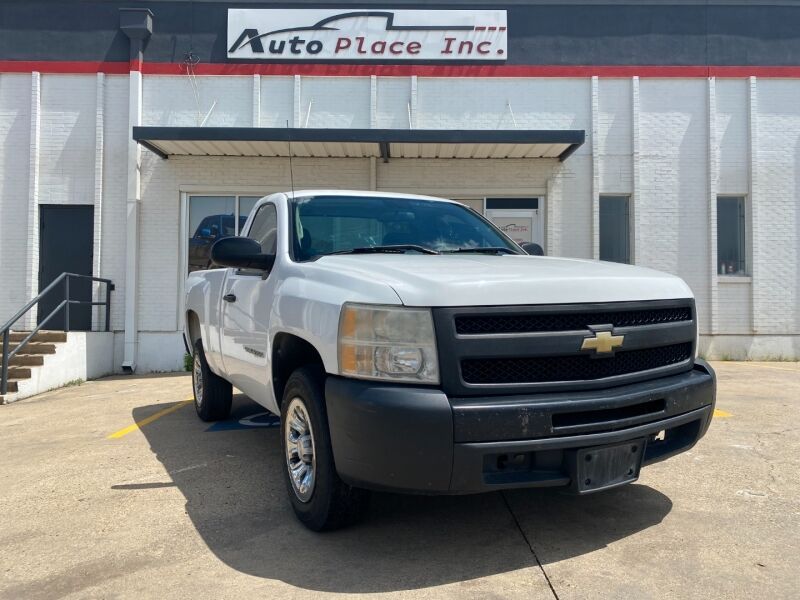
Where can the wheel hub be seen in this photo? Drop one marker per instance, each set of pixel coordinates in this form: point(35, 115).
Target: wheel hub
point(299, 446)
point(197, 379)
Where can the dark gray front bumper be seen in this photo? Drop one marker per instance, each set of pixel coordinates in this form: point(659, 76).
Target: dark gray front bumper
point(415, 439)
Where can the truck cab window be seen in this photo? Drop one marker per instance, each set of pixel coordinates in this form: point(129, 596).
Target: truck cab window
point(265, 229)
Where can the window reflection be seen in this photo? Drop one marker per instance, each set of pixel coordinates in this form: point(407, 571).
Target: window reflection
point(731, 236)
point(246, 204)
point(212, 218)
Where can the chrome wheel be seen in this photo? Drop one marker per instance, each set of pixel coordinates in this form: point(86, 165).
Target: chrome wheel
point(197, 380)
point(299, 444)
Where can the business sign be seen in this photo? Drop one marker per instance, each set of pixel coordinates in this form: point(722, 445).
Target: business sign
point(313, 35)
point(519, 229)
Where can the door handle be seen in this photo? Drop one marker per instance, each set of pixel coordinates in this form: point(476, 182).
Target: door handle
point(229, 297)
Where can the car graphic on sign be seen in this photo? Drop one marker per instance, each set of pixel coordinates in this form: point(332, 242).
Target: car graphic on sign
point(253, 38)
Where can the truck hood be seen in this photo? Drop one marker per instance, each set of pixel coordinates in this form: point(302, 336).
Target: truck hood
point(481, 280)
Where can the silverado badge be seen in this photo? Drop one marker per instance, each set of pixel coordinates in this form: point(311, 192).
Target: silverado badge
point(603, 342)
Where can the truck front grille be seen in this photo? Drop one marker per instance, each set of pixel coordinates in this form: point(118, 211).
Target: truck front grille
point(530, 349)
point(571, 368)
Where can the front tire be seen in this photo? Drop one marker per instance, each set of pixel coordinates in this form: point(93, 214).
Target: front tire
point(319, 498)
point(212, 394)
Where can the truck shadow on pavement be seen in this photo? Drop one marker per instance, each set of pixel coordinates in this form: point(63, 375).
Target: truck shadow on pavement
point(235, 497)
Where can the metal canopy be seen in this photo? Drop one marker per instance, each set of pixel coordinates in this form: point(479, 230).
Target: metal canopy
point(359, 143)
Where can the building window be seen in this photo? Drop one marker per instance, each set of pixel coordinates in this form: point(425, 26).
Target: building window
point(212, 218)
point(731, 235)
point(615, 229)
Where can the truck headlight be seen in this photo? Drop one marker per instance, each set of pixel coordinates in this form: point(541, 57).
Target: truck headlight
point(388, 342)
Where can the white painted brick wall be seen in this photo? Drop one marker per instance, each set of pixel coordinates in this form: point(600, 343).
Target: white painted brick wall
point(277, 96)
point(489, 104)
point(734, 157)
point(470, 177)
point(115, 140)
point(185, 101)
point(67, 142)
point(394, 99)
point(735, 307)
point(569, 208)
point(672, 203)
point(777, 200)
point(614, 120)
point(15, 105)
point(338, 102)
point(615, 143)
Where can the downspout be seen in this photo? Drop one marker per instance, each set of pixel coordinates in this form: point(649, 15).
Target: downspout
point(137, 24)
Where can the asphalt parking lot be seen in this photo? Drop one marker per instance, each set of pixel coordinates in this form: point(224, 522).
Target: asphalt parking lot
point(95, 506)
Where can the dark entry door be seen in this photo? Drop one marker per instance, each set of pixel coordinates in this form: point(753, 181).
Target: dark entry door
point(66, 235)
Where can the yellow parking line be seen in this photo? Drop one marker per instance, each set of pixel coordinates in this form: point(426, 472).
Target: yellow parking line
point(721, 414)
point(148, 420)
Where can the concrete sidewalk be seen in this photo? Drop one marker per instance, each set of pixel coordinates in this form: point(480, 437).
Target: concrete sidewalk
point(179, 509)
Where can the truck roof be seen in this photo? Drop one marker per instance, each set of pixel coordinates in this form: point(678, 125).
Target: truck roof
point(364, 193)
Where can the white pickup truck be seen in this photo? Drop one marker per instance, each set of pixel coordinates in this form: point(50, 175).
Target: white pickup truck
point(409, 345)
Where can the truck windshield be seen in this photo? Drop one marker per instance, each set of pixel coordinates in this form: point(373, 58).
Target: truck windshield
point(325, 225)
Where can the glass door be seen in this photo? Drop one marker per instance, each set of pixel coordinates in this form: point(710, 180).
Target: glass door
point(519, 218)
point(212, 218)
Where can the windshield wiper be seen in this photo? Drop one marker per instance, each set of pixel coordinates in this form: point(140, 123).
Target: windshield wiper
point(484, 250)
point(395, 249)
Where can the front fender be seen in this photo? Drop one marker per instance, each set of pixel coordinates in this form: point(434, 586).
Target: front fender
point(309, 305)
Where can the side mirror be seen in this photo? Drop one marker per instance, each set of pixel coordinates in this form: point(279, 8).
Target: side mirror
point(241, 253)
point(533, 249)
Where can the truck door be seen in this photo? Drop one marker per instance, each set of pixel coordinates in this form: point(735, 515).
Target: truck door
point(247, 299)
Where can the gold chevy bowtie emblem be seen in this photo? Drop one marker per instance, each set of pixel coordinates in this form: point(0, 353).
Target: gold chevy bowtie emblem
point(603, 342)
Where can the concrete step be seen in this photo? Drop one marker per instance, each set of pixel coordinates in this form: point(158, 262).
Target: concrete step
point(19, 372)
point(35, 348)
point(26, 360)
point(41, 336)
point(12, 386)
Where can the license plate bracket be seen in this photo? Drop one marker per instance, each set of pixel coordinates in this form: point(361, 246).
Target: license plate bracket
point(604, 467)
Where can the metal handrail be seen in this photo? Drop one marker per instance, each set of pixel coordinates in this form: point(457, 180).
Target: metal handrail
point(65, 304)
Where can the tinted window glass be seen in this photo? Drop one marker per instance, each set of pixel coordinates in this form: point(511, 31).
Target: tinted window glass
point(246, 204)
point(265, 229)
point(731, 221)
point(327, 224)
point(210, 218)
point(615, 229)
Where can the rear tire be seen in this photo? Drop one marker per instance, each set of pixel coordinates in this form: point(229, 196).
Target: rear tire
point(320, 499)
point(212, 394)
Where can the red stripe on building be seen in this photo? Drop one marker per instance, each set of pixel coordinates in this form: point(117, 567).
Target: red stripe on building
point(66, 66)
point(401, 70)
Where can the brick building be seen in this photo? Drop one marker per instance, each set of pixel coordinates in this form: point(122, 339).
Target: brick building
point(665, 134)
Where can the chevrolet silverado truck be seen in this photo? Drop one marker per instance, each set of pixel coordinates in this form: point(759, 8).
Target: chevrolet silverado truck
point(409, 345)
